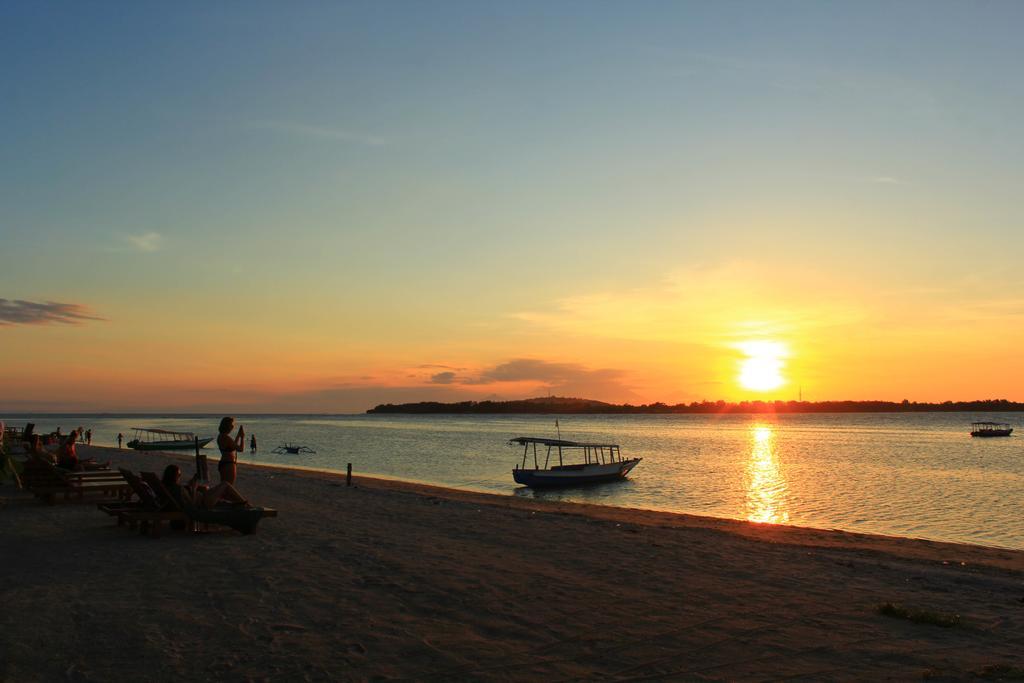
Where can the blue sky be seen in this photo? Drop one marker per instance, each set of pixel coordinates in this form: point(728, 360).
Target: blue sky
point(429, 170)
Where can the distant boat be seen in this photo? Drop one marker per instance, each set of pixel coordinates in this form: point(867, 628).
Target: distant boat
point(293, 449)
point(990, 429)
point(164, 440)
point(601, 463)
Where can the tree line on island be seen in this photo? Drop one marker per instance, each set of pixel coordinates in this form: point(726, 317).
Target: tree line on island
point(558, 404)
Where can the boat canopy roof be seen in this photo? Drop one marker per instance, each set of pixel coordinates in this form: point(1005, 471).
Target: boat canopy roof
point(163, 431)
point(990, 424)
point(523, 440)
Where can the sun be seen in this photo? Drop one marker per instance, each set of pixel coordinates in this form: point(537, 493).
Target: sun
point(761, 368)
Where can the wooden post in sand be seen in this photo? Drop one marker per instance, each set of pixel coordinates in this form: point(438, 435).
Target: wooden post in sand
point(348, 475)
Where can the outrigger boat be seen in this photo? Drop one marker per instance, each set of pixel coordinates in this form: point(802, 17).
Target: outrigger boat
point(164, 440)
point(601, 462)
point(292, 449)
point(990, 429)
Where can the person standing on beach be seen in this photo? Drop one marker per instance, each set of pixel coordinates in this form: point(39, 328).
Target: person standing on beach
point(252, 444)
point(120, 439)
point(229, 449)
point(88, 437)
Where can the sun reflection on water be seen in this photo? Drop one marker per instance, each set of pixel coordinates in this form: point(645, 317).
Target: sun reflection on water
point(766, 485)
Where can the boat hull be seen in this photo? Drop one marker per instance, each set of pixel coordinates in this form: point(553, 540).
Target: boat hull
point(992, 432)
point(167, 445)
point(575, 475)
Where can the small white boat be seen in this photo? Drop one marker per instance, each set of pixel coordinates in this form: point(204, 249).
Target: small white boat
point(164, 440)
point(601, 463)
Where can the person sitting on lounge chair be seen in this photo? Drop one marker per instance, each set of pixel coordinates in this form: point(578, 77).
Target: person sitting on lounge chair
point(67, 457)
point(35, 449)
point(200, 496)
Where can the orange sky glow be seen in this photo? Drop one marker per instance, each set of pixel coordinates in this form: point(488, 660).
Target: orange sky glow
point(670, 203)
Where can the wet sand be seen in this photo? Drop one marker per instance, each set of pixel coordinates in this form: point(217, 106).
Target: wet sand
point(389, 580)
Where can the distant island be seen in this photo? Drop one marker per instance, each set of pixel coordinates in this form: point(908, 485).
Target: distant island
point(559, 405)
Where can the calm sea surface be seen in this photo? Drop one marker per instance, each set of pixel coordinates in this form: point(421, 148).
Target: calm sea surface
point(918, 475)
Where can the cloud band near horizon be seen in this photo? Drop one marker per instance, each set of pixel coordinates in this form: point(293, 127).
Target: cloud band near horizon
point(21, 312)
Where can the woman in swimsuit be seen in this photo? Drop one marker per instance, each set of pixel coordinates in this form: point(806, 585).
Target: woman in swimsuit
point(36, 449)
point(67, 454)
point(67, 457)
point(229, 449)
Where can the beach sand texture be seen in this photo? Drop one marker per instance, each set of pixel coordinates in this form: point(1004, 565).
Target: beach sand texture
point(388, 580)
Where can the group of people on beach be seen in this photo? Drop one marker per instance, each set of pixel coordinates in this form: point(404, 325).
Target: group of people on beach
point(200, 495)
point(82, 434)
point(191, 493)
point(66, 456)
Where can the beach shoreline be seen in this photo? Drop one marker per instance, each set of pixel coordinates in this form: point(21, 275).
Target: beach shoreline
point(393, 579)
point(906, 547)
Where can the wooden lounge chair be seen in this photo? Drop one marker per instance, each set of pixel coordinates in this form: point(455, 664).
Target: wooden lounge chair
point(241, 519)
point(51, 483)
point(148, 512)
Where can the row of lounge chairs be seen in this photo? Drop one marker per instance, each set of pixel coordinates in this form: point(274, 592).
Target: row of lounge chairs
point(155, 505)
point(138, 501)
point(51, 483)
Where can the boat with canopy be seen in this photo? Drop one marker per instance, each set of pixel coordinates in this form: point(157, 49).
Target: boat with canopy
point(990, 429)
point(151, 439)
point(601, 462)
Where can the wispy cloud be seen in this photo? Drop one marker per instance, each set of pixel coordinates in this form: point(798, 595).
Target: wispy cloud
point(547, 376)
point(148, 242)
point(19, 312)
point(317, 132)
point(714, 305)
point(532, 369)
point(885, 180)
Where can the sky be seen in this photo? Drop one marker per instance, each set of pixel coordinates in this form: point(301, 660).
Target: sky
point(318, 207)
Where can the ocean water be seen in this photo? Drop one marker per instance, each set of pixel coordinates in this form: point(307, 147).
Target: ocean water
point(918, 475)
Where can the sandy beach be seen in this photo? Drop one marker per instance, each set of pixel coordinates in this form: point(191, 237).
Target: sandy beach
point(388, 580)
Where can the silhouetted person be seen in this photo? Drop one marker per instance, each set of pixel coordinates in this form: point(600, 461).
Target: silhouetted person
point(229, 449)
point(252, 443)
point(67, 456)
point(120, 439)
point(88, 437)
point(199, 496)
point(36, 449)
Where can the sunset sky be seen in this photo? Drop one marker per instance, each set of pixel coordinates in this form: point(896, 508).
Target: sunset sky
point(322, 206)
